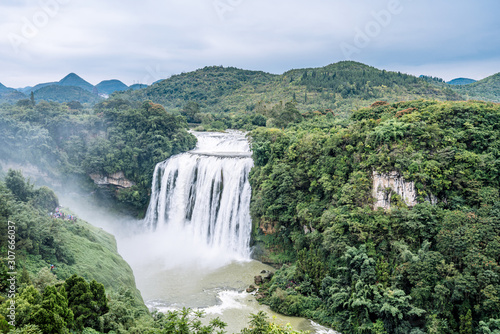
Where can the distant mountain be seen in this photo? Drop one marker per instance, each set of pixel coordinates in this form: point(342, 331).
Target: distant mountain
point(58, 93)
point(28, 90)
point(10, 95)
point(461, 81)
point(487, 89)
point(341, 86)
point(110, 86)
point(3, 88)
point(74, 80)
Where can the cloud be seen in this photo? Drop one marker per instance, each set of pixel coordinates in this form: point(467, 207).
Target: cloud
point(129, 39)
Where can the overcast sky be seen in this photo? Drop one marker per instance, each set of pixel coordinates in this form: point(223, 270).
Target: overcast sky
point(141, 41)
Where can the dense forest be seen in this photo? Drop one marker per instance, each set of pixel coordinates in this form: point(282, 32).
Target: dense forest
point(69, 142)
point(341, 86)
point(430, 268)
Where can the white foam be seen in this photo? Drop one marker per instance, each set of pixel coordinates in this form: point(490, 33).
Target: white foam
point(322, 329)
point(230, 300)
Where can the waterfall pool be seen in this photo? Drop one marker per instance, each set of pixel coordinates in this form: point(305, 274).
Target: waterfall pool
point(192, 249)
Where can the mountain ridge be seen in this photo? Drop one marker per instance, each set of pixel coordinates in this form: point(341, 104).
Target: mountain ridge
point(343, 86)
point(461, 81)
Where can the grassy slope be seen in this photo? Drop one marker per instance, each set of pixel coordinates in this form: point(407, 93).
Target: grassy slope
point(92, 250)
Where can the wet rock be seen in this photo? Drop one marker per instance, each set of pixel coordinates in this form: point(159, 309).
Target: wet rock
point(258, 280)
point(268, 277)
point(251, 289)
point(263, 271)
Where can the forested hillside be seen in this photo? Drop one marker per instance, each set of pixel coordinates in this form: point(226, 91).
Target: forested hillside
point(70, 274)
point(341, 86)
point(432, 267)
point(69, 143)
point(487, 89)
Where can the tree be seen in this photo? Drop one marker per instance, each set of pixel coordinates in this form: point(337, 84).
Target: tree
point(190, 111)
point(44, 198)
point(87, 301)
point(32, 99)
point(21, 189)
point(186, 321)
point(53, 314)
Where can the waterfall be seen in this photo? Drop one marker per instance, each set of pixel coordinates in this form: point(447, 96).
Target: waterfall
point(204, 195)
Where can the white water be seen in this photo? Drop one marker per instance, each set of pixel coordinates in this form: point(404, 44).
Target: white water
point(201, 259)
point(202, 198)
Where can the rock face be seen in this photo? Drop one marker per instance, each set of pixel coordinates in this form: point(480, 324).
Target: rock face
point(384, 185)
point(267, 227)
point(116, 179)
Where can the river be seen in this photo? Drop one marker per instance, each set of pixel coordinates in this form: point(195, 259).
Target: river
point(192, 248)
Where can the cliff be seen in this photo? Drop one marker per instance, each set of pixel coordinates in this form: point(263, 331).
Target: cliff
point(116, 179)
point(384, 185)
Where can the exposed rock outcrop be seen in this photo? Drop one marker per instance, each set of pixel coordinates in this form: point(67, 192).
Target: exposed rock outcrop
point(267, 227)
point(116, 179)
point(384, 185)
point(251, 288)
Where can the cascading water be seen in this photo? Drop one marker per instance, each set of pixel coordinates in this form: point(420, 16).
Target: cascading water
point(195, 251)
point(203, 196)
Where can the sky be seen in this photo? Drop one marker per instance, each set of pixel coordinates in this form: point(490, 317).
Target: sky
point(148, 40)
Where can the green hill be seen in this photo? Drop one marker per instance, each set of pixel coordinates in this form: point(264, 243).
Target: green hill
point(3, 88)
point(340, 86)
point(10, 95)
point(110, 86)
point(74, 247)
point(487, 89)
point(212, 87)
point(57, 93)
point(74, 80)
point(461, 81)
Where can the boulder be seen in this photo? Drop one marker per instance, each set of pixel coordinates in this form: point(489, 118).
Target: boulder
point(268, 277)
point(258, 280)
point(251, 289)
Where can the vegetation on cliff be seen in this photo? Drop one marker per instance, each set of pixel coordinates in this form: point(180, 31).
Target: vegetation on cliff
point(69, 142)
point(428, 268)
point(70, 274)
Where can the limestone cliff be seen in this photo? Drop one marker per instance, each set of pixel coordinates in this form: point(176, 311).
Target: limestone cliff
point(384, 185)
point(116, 179)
